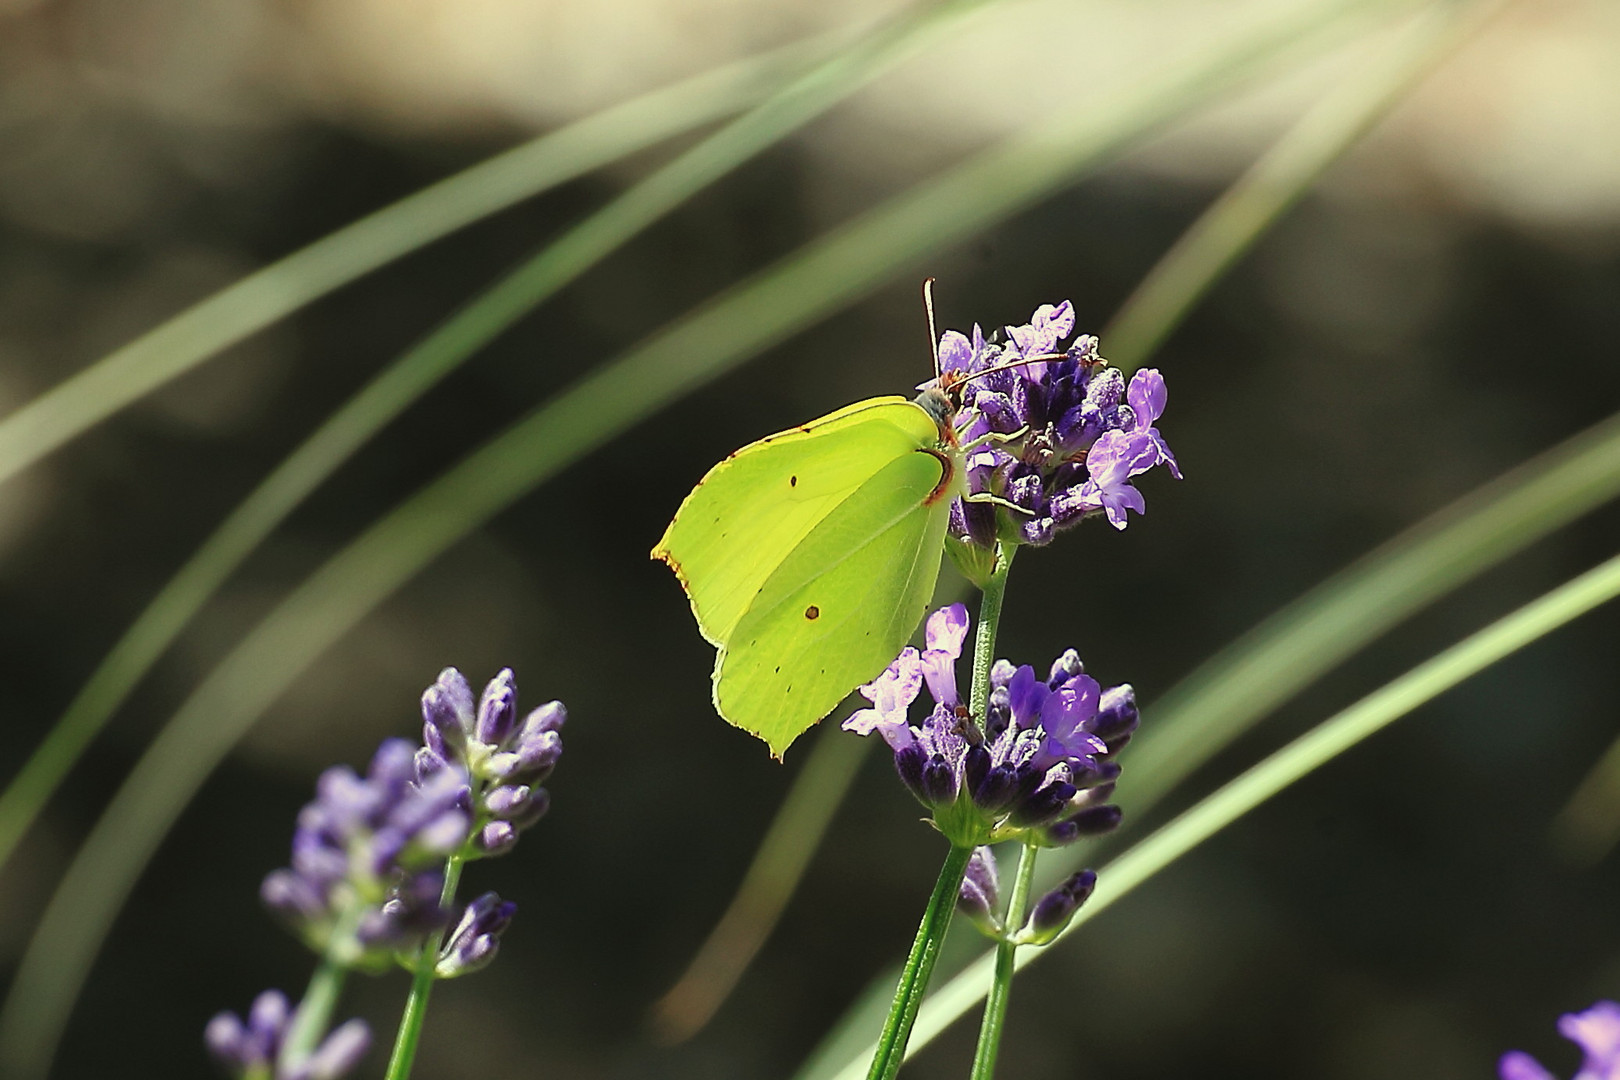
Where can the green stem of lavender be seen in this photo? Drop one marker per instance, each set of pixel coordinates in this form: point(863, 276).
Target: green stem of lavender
point(314, 1013)
point(891, 1047)
point(984, 643)
point(410, 1024)
point(995, 1005)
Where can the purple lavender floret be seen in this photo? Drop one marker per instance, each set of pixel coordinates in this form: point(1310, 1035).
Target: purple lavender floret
point(1038, 767)
point(979, 897)
point(1596, 1031)
point(507, 760)
point(366, 857)
point(476, 938)
point(1054, 911)
point(1059, 438)
point(254, 1048)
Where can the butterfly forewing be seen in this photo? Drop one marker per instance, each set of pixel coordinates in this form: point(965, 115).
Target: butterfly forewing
point(753, 510)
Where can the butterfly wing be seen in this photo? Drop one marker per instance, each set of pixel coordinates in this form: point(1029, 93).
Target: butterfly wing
point(840, 606)
point(754, 508)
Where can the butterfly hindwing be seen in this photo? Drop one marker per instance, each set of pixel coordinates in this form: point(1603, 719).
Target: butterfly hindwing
point(840, 606)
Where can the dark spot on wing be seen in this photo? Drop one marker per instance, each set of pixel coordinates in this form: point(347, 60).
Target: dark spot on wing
point(793, 481)
point(812, 612)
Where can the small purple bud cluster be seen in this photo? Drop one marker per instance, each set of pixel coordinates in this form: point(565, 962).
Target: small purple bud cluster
point(1056, 439)
point(1054, 910)
point(367, 857)
point(476, 938)
point(253, 1049)
point(1596, 1031)
point(504, 761)
point(1039, 767)
point(978, 898)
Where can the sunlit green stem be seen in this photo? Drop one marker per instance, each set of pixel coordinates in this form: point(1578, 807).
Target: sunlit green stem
point(984, 641)
point(410, 1024)
point(891, 1047)
point(995, 1005)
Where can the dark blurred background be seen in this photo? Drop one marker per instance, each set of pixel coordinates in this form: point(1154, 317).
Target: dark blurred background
point(1443, 306)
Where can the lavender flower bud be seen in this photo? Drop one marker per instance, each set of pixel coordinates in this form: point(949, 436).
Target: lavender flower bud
point(1092, 821)
point(979, 897)
point(338, 1053)
point(497, 709)
point(1117, 716)
point(1054, 910)
point(476, 938)
point(1065, 668)
point(254, 1049)
point(447, 709)
point(497, 838)
point(938, 781)
point(909, 762)
point(1044, 805)
point(507, 801)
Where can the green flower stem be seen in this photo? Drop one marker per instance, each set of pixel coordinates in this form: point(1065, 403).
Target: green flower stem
point(891, 1047)
point(984, 641)
point(314, 1014)
point(410, 1023)
point(995, 1005)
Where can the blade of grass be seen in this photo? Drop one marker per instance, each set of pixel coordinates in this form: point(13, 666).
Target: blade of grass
point(281, 288)
point(1227, 230)
point(772, 878)
point(1588, 826)
point(749, 318)
point(417, 371)
point(1232, 690)
point(1181, 278)
point(1293, 762)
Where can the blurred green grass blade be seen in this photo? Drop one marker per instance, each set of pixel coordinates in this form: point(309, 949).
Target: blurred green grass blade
point(747, 319)
point(275, 291)
point(1272, 775)
point(1226, 231)
point(1588, 826)
point(773, 876)
point(418, 370)
point(1244, 681)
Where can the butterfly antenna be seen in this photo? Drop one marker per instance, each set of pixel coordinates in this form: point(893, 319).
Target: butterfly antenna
point(1012, 364)
point(933, 335)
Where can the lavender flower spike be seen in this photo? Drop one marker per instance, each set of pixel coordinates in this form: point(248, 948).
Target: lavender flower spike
point(363, 878)
point(1056, 435)
point(1596, 1031)
point(253, 1049)
point(505, 759)
point(1038, 767)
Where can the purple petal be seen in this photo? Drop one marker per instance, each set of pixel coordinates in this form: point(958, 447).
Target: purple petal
point(955, 352)
point(340, 1052)
point(1517, 1065)
point(947, 629)
point(1025, 697)
point(1596, 1031)
point(1146, 397)
point(1066, 710)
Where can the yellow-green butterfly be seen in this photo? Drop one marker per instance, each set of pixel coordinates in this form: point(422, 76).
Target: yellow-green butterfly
point(810, 556)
